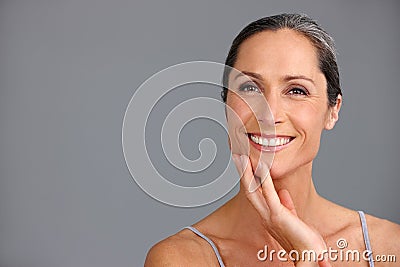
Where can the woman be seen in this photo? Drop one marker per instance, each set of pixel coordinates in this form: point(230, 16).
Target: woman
point(291, 63)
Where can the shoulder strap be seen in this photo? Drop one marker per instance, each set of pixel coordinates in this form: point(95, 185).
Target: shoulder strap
point(214, 247)
point(366, 236)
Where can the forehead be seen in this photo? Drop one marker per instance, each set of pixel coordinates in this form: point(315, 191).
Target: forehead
point(281, 52)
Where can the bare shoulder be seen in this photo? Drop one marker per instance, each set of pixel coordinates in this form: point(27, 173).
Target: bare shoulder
point(181, 249)
point(384, 235)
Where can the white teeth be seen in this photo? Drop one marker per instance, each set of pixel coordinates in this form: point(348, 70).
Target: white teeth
point(264, 142)
point(271, 142)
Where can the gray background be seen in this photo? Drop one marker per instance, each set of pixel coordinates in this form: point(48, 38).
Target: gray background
point(67, 72)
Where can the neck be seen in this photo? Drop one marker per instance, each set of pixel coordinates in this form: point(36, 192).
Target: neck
point(301, 189)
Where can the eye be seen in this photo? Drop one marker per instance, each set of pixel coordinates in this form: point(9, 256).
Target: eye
point(249, 87)
point(298, 91)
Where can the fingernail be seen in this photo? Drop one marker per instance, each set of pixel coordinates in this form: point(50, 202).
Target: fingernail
point(254, 184)
point(259, 178)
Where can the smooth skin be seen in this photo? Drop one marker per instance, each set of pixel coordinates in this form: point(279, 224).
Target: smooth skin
point(285, 212)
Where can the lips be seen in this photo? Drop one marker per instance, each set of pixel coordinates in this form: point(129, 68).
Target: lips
point(269, 143)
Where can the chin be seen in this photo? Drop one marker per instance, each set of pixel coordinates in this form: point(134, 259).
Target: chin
point(278, 174)
point(280, 170)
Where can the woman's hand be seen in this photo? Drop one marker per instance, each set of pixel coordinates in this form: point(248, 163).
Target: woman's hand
point(279, 214)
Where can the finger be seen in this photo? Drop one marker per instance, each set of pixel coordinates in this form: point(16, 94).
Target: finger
point(287, 201)
point(261, 173)
point(248, 176)
point(238, 164)
point(267, 186)
point(255, 197)
point(324, 263)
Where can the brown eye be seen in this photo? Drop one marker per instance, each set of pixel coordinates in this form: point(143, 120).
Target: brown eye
point(297, 91)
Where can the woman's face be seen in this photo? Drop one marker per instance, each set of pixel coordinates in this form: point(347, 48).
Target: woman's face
point(283, 68)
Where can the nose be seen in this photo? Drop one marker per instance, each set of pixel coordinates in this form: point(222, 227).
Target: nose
point(273, 113)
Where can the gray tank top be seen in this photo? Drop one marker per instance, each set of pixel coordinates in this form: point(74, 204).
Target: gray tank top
point(221, 263)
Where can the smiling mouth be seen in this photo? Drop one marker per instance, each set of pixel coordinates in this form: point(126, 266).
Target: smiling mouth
point(270, 142)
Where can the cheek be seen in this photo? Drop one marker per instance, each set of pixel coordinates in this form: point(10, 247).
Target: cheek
point(239, 114)
point(309, 118)
point(308, 121)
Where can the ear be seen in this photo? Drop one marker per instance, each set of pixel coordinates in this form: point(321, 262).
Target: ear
point(333, 114)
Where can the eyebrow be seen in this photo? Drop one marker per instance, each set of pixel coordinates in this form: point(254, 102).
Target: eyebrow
point(251, 74)
point(286, 78)
point(297, 77)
